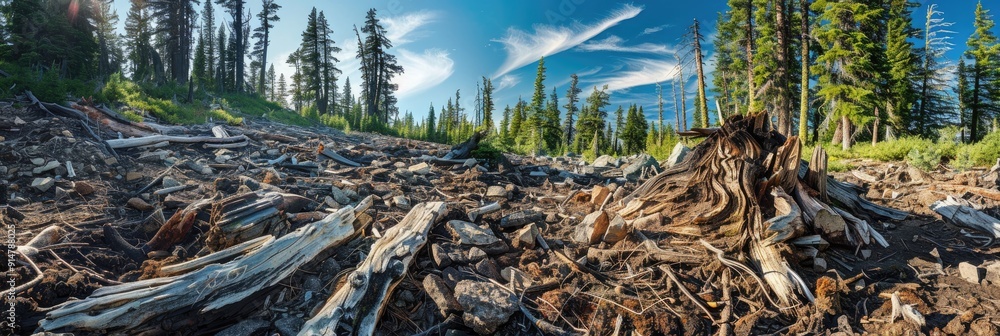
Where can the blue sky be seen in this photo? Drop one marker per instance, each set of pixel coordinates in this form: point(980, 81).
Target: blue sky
point(448, 45)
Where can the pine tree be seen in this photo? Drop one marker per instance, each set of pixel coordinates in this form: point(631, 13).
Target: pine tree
point(505, 126)
point(207, 78)
point(983, 75)
point(105, 20)
point(517, 119)
point(804, 42)
point(269, 88)
point(199, 63)
point(378, 67)
point(696, 39)
point(221, 60)
point(963, 93)
point(902, 63)
point(176, 18)
point(487, 122)
point(634, 135)
point(268, 15)
point(431, 132)
point(592, 118)
point(346, 98)
point(551, 133)
point(281, 93)
point(138, 33)
point(572, 97)
point(845, 67)
point(619, 124)
point(238, 49)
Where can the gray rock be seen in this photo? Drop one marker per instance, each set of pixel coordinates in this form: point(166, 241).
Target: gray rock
point(470, 163)
point(289, 325)
point(488, 268)
point(43, 183)
point(421, 168)
point(517, 278)
point(38, 161)
point(199, 167)
point(442, 296)
point(476, 254)
point(401, 202)
point(605, 161)
point(169, 182)
point(339, 195)
point(312, 283)
point(471, 234)
point(440, 256)
point(634, 170)
point(486, 305)
point(993, 273)
point(245, 327)
point(677, 155)
point(47, 167)
point(969, 272)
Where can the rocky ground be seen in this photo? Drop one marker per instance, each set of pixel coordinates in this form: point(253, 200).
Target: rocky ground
point(533, 265)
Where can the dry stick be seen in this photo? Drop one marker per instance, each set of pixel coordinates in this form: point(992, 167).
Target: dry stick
point(744, 269)
point(435, 328)
point(33, 282)
point(155, 181)
point(673, 277)
point(728, 310)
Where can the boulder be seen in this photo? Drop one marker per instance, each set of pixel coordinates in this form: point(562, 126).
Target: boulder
point(969, 272)
point(486, 305)
point(599, 194)
point(634, 170)
point(605, 161)
point(421, 168)
point(677, 155)
point(592, 229)
point(617, 228)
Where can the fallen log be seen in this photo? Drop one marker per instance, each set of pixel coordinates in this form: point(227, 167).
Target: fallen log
point(215, 289)
point(464, 150)
point(152, 139)
point(355, 307)
point(959, 213)
point(326, 152)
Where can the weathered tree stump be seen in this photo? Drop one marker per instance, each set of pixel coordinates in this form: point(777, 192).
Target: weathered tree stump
point(746, 192)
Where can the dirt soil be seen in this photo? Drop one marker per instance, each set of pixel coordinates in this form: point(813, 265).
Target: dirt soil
point(853, 291)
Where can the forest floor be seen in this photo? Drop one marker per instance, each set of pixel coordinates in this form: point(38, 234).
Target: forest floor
point(551, 195)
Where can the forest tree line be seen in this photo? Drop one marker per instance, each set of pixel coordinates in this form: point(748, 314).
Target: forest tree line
point(827, 70)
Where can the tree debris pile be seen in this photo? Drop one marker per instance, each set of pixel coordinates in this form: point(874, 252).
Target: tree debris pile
point(265, 228)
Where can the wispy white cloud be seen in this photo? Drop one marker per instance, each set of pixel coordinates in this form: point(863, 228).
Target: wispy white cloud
point(401, 29)
point(423, 70)
point(507, 81)
point(582, 75)
point(656, 29)
point(640, 72)
point(524, 48)
point(615, 43)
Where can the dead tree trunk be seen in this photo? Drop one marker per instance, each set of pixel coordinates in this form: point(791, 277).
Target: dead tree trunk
point(217, 289)
point(355, 307)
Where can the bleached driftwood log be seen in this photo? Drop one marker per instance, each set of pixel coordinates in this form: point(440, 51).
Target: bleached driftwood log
point(148, 140)
point(209, 290)
point(355, 308)
point(959, 213)
point(326, 152)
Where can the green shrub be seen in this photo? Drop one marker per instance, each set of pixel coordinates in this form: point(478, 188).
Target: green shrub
point(963, 161)
point(927, 159)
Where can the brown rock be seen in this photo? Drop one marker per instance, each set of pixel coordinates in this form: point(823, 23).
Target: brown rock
point(617, 228)
point(83, 188)
point(957, 326)
point(592, 229)
point(132, 176)
point(525, 237)
point(139, 204)
point(598, 195)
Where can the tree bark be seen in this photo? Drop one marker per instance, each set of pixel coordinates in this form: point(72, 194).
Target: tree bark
point(804, 86)
point(356, 306)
